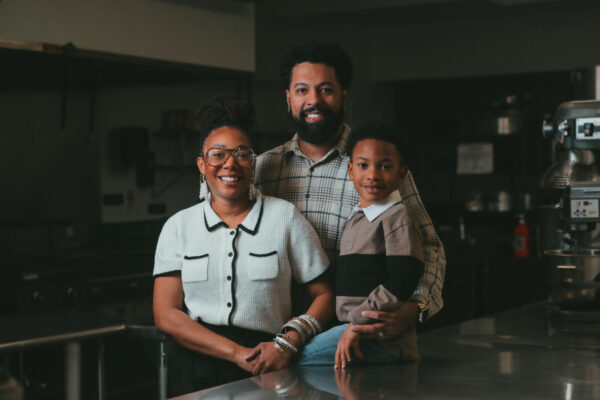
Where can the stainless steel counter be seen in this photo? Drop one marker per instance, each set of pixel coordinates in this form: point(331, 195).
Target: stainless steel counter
point(70, 329)
point(519, 354)
point(18, 332)
point(21, 332)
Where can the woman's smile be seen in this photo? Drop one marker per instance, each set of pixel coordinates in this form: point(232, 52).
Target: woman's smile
point(228, 181)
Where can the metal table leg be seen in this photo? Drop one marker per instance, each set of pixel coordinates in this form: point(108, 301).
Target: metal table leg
point(73, 370)
point(151, 334)
point(101, 381)
point(162, 371)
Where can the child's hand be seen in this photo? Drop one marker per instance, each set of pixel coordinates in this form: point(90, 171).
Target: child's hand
point(348, 342)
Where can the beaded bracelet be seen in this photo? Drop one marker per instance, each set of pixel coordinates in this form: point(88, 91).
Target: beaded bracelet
point(280, 349)
point(285, 344)
point(288, 337)
point(315, 322)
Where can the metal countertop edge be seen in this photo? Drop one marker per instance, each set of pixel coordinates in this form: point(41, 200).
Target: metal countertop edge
point(63, 337)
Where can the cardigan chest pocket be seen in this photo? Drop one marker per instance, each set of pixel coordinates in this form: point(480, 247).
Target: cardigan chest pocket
point(263, 266)
point(195, 268)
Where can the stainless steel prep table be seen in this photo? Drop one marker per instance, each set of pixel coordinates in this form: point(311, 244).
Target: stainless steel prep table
point(519, 354)
point(19, 332)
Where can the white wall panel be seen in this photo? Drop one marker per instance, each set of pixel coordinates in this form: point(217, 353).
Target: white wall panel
point(203, 32)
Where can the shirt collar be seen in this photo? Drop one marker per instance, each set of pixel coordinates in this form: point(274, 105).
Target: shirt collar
point(340, 146)
point(250, 224)
point(375, 210)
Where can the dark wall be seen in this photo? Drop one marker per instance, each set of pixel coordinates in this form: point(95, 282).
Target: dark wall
point(395, 44)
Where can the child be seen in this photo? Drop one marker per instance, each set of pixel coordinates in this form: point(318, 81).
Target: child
point(381, 256)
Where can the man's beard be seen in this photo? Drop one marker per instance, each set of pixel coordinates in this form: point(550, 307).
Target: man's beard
point(318, 132)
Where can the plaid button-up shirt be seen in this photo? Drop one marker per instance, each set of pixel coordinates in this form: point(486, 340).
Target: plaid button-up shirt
point(324, 194)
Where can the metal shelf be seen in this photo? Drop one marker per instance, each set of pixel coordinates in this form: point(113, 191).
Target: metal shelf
point(46, 66)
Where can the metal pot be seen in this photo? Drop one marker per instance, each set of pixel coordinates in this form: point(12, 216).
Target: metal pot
point(507, 124)
point(506, 118)
point(502, 201)
point(574, 278)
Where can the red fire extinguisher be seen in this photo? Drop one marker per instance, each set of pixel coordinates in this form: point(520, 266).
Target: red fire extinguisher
point(521, 238)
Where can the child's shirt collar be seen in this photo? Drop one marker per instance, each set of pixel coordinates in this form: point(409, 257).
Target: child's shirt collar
point(375, 210)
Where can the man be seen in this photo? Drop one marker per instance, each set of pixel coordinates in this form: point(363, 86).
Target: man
point(310, 170)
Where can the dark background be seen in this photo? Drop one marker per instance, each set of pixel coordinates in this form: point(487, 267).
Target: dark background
point(94, 154)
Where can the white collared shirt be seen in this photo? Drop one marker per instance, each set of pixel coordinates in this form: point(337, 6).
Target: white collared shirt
point(240, 277)
point(375, 210)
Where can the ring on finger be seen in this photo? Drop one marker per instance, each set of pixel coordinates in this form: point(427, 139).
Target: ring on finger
point(380, 334)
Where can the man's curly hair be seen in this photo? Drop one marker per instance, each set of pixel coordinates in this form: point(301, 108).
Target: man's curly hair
point(317, 52)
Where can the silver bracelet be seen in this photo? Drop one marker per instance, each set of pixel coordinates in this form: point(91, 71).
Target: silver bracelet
point(313, 328)
point(308, 328)
point(292, 324)
point(288, 337)
point(315, 322)
point(285, 344)
point(280, 349)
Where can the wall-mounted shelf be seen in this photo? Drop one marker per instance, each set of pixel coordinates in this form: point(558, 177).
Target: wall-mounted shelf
point(39, 65)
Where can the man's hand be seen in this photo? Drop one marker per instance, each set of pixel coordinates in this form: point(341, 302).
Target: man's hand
point(392, 323)
point(266, 357)
point(348, 342)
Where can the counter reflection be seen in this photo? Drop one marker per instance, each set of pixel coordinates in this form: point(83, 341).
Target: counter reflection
point(366, 382)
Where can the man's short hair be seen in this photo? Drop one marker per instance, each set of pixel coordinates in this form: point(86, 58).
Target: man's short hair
point(379, 131)
point(223, 111)
point(317, 52)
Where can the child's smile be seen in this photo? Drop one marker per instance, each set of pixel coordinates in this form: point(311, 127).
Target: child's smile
point(376, 170)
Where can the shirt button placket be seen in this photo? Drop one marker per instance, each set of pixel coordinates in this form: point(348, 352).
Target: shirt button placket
point(229, 270)
point(310, 171)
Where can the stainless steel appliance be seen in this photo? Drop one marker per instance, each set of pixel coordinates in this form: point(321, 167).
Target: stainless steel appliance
point(569, 207)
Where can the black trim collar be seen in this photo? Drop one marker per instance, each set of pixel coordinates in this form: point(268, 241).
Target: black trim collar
point(250, 224)
point(257, 224)
point(211, 228)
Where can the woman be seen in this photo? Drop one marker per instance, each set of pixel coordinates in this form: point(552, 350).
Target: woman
point(224, 267)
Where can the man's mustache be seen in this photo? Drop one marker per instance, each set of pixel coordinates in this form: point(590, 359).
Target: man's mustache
point(324, 110)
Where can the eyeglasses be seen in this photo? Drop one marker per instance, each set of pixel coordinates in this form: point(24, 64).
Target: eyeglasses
point(217, 156)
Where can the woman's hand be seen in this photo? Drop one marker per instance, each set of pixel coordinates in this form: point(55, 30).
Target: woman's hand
point(348, 341)
point(265, 357)
point(240, 356)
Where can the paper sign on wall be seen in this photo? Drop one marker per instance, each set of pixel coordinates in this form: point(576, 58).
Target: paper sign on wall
point(475, 158)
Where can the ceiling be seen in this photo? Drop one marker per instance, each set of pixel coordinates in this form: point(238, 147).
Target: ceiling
point(393, 11)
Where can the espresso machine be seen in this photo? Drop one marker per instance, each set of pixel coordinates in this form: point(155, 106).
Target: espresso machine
point(568, 205)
